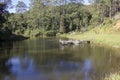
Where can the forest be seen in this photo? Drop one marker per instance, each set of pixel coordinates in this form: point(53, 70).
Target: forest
point(67, 40)
point(51, 17)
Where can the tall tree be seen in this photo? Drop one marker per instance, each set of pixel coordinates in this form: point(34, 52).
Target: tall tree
point(21, 7)
point(8, 3)
point(3, 11)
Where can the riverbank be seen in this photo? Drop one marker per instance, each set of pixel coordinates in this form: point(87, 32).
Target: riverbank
point(109, 39)
point(7, 35)
point(13, 37)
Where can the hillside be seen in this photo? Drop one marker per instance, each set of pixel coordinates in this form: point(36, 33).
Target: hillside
point(117, 26)
point(105, 34)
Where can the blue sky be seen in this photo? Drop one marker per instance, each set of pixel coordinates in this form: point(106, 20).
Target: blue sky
point(14, 2)
point(27, 2)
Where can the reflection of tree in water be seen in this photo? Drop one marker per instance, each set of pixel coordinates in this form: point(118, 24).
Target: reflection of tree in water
point(34, 58)
point(5, 48)
point(20, 65)
point(25, 61)
point(44, 58)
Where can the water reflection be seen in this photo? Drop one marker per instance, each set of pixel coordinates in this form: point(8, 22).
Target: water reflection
point(87, 68)
point(21, 66)
point(24, 68)
point(45, 59)
point(5, 49)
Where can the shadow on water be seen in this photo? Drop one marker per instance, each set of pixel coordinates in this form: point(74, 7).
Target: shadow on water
point(45, 59)
point(5, 48)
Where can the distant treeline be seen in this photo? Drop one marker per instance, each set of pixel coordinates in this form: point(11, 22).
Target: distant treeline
point(49, 17)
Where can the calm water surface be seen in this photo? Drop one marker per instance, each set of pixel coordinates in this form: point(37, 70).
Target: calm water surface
point(46, 59)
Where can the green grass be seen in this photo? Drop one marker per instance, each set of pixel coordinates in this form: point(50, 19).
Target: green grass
point(105, 37)
point(114, 76)
point(103, 34)
point(110, 39)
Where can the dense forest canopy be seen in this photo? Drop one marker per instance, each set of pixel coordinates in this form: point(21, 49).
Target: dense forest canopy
point(49, 17)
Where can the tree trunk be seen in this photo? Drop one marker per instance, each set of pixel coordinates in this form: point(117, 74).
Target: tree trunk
point(110, 13)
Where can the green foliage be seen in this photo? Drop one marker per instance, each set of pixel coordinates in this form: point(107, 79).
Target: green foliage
point(2, 12)
point(113, 76)
point(47, 17)
point(51, 33)
point(27, 32)
point(62, 24)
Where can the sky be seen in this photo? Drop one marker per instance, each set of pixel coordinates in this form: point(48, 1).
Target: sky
point(14, 2)
point(27, 2)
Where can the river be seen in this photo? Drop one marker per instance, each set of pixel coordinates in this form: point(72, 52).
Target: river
point(46, 59)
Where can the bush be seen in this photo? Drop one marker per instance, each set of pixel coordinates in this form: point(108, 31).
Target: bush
point(36, 33)
point(27, 33)
point(51, 33)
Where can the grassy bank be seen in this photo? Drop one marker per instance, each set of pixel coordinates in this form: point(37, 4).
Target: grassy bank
point(106, 34)
point(109, 39)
